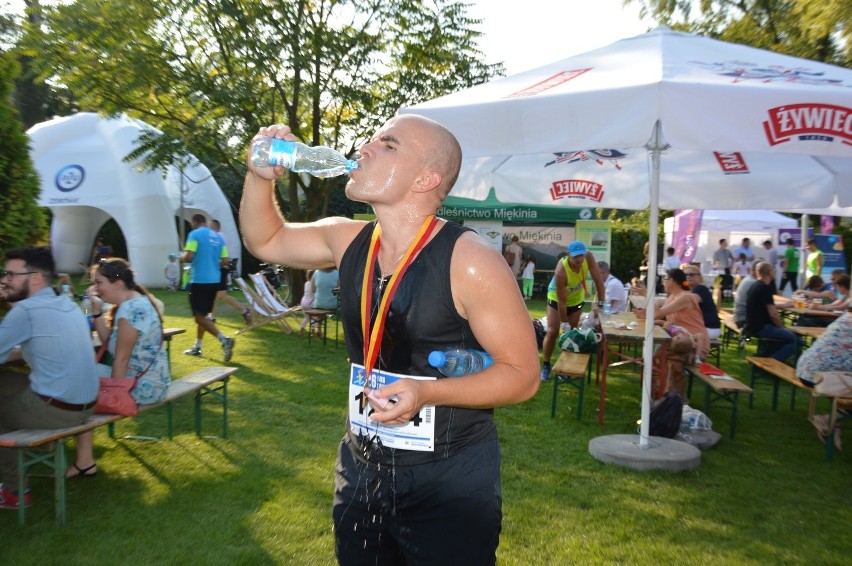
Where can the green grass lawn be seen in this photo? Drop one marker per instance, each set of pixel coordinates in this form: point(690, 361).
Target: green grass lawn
point(263, 496)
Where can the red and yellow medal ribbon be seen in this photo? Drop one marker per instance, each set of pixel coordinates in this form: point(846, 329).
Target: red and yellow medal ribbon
point(373, 336)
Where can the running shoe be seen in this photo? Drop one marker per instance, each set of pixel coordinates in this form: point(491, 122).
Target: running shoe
point(228, 348)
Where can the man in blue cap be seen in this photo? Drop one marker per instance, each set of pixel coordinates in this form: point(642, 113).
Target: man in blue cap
point(566, 295)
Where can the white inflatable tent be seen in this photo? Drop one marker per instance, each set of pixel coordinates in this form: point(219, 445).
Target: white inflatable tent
point(85, 181)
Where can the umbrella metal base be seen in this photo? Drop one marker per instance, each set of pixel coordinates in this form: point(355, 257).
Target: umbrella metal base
point(660, 453)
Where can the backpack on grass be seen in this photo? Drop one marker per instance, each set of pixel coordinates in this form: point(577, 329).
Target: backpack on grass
point(666, 416)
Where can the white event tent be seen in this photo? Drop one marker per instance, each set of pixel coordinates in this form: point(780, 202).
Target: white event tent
point(85, 181)
point(670, 96)
point(734, 225)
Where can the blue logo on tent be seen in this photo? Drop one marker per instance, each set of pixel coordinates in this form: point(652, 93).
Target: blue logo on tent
point(69, 178)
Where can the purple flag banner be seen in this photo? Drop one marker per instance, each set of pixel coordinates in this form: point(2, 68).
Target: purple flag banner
point(687, 224)
point(826, 224)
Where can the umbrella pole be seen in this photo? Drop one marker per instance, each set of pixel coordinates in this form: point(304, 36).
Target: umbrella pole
point(665, 453)
point(803, 257)
point(655, 147)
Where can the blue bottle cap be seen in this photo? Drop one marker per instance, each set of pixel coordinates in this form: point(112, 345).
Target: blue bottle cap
point(437, 359)
point(351, 165)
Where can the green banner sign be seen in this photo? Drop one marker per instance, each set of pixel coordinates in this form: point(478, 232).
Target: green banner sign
point(461, 209)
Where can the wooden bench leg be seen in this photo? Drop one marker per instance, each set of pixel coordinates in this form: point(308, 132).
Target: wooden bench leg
point(53, 457)
point(578, 382)
point(22, 479)
point(736, 403)
point(756, 373)
point(59, 492)
point(220, 393)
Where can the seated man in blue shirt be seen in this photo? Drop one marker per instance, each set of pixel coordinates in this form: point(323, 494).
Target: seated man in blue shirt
point(54, 338)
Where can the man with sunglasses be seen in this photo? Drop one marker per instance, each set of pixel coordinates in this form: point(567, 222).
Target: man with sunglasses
point(50, 333)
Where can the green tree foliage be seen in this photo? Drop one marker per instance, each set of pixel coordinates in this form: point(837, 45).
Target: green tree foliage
point(35, 100)
point(22, 221)
point(209, 73)
point(820, 30)
point(629, 236)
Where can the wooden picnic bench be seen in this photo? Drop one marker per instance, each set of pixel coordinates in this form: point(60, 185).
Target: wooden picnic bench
point(777, 372)
point(718, 388)
point(835, 416)
point(574, 369)
point(47, 446)
point(731, 328)
point(319, 317)
point(780, 371)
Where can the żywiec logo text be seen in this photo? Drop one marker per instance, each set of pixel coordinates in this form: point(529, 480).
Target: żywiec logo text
point(731, 163)
point(809, 121)
point(577, 188)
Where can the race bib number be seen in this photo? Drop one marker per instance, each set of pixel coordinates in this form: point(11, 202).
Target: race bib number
point(417, 434)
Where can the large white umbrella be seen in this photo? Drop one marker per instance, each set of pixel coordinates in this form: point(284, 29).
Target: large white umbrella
point(620, 178)
point(657, 91)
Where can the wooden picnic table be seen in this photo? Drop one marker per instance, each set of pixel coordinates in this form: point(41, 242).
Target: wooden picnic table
point(167, 338)
point(622, 329)
point(784, 304)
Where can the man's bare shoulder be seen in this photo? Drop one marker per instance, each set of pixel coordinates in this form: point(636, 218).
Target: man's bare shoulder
point(471, 242)
point(473, 254)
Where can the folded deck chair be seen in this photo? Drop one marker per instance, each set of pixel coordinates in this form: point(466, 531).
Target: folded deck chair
point(267, 292)
point(318, 316)
point(263, 313)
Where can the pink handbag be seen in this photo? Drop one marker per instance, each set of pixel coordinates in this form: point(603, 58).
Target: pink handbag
point(114, 392)
point(114, 397)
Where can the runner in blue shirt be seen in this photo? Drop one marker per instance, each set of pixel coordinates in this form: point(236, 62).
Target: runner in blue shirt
point(208, 254)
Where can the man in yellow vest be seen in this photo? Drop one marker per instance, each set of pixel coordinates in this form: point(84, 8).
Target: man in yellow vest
point(566, 295)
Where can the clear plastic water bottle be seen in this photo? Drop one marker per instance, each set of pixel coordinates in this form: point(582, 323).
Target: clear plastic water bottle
point(65, 291)
point(319, 161)
point(457, 362)
point(607, 306)
point(86, 306)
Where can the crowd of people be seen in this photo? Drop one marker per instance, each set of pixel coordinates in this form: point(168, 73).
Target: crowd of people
point(405, 284)
point(690, 312)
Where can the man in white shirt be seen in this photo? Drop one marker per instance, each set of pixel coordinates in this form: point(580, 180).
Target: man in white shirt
point(615, 291)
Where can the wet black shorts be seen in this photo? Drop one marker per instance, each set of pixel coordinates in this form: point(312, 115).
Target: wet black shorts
point(445, 512)
point(202, 296)
point(555, 306)
point(223, 281)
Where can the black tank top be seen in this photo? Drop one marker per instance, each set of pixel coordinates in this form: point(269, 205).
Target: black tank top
point(422, 318)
